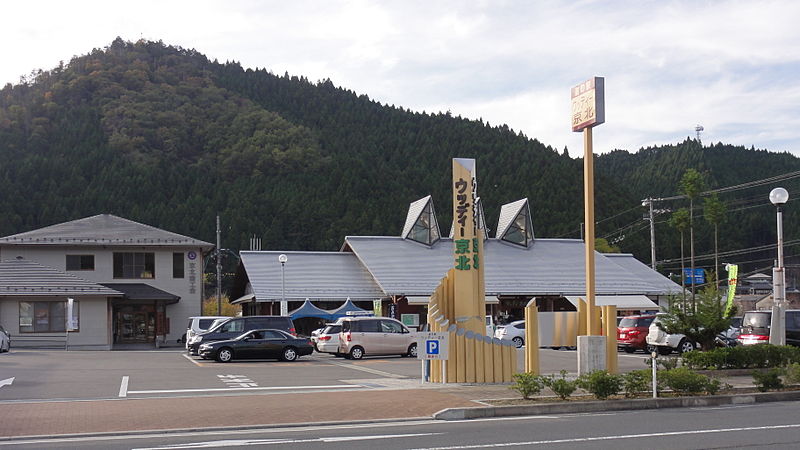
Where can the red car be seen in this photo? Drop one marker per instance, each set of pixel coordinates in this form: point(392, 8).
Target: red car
point(632, 331)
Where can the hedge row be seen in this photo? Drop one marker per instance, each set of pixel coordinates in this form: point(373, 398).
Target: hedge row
point(743, 357)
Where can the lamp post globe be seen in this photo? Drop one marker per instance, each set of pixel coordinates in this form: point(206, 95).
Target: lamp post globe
point(778, 196)
point(282, 258)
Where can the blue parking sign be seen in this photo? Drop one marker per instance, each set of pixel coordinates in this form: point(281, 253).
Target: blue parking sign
point(433, 347)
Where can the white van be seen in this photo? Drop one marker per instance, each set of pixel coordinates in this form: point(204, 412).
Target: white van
point(198, 324)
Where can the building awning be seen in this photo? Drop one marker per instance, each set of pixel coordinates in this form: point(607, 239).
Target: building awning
point(143, 292)
point(244, 299)
point(620, 301)
point(413, 300)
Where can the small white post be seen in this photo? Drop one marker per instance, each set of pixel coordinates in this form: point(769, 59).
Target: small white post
point(655, 382)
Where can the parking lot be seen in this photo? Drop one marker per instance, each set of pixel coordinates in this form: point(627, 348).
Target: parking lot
point(71, 375)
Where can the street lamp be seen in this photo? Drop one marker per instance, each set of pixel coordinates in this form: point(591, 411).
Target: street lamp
point(777, 335)
point(284, 306)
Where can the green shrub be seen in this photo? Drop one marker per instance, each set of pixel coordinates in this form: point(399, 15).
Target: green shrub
point(792, 373)
point(527, 384)
point(743, 357)
point(560, 386)
point(664, 362)
point(769, 379)
point(637, 381)
point(683, 381)
point(600, 383)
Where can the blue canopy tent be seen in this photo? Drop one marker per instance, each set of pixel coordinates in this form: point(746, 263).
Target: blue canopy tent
point(351, 308)
point(307, 309)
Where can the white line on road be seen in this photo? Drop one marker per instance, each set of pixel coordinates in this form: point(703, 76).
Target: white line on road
point(123, 386)
point(272, 388)
point(363, 369)
point(6, 382)
point(249, 442)
point(192, 360)
point(609, 438)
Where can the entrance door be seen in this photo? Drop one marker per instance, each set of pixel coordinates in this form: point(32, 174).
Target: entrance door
point(135, 324)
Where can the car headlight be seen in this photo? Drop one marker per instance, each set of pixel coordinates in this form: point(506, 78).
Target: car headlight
point(205, 347)
point(196, 339)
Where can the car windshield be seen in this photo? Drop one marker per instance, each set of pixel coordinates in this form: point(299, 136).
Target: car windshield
point(205, 324)
point(631, 322)
point(216, 323)
point(332, 329)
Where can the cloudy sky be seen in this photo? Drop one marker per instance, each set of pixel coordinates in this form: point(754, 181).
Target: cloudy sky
point(731, 66)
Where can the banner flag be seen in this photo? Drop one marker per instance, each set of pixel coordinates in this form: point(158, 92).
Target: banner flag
point(733, 274)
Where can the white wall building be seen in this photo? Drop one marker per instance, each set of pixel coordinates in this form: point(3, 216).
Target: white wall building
point(132, 283)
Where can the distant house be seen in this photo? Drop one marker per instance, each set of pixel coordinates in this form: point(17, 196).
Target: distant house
point(131, 283)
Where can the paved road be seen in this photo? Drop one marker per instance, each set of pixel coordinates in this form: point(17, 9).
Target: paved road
point(774, 426)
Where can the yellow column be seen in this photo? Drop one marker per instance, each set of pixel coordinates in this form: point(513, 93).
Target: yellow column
point(583, 315)
point(461, 350)
point(488, 360)
point(480, 360)
point(531, 338)
point(508, 348)
point(588, 208)
point(497, 355)
point(610, 329)
point(464, 232)
point(451, 359)
point(469, 356)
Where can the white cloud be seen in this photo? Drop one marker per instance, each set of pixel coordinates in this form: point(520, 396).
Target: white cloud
point(729, 65)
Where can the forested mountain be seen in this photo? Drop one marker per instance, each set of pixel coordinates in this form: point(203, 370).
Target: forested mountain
point(164, 136)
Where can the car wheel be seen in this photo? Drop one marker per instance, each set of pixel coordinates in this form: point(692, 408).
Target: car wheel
point(518, 342)
point(289, 354)
point(224, 355)
point(663, 351)
point(629, 349)
point(685, 346)
point(649, 348)
point(356, 353)
point(339, 355)
point(412, 350)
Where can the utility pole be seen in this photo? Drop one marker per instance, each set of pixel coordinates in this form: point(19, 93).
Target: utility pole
point(649, 202)
point(219, 272)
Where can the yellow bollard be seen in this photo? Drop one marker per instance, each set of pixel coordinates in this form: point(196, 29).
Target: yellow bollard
point(582, 314)
point(497, 354)
point(469, 356)
point(610, 328)
point(532, 338)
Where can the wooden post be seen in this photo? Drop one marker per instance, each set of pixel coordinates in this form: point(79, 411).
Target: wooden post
point(588, 205)
point(610, 329)
point(532, 338)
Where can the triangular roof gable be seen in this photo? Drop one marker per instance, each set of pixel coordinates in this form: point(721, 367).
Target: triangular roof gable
point(515, 219)
point(102, 229)
point(348, 306)
point(421, 224)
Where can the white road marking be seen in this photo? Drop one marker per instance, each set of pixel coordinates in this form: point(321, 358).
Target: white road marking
point(249, 442)
point(273, 388)
point(192, 360)
point(237, 381)
point(364, 369)
point(6, 382)
point(123, 386)
point(610, 438)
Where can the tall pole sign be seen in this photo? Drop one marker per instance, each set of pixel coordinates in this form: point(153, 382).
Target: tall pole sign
point(467, 249)
point(588, 110)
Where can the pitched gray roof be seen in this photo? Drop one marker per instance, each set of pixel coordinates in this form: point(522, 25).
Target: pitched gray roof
point(102, 229)
point(20, 277)
point(643, 271)
point(314, 275)
point(547, 267)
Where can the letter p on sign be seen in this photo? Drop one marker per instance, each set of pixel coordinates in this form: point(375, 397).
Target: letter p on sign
point(433, 347)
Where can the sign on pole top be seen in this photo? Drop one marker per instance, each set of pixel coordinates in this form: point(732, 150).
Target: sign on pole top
point(588, 104)
point(432, 345)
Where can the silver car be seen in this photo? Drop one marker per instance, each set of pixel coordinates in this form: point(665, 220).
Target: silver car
point(514, 331)
point(5, 340)
point(375, 336)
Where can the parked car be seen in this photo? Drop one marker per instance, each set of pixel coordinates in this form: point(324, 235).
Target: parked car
point(328, 339)
point(199, 324)
point(265, 344)
point(5, 340)
point(632, 332)
point(514, 331)
point(665, 343)
point(756, 327)
point(375, 336)
point(235, 326)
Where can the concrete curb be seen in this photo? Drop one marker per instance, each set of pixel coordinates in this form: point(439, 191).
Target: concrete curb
point(613, 405)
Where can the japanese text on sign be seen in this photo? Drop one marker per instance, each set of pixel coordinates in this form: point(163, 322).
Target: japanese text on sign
point(588, 104)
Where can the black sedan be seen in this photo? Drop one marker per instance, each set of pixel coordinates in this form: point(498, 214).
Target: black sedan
point(262, 344)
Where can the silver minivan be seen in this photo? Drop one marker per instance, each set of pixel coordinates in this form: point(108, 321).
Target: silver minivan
point(375, 336)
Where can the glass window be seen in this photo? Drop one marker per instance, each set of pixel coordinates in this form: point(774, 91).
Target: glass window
point(520, 231)
point(80, 262)
point(520, 326)
point(388, 326)
point(134, 265)
point(204, 324)
point(46, 317)
point(232, 326)
point(177, 265)
point(426, 229)
point(367, 326)
point(269, 334)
